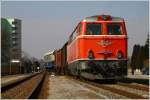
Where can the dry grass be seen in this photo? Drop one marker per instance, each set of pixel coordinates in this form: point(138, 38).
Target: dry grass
point(45, 88)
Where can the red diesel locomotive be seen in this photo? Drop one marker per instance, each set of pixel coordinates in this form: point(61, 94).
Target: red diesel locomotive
point(96, 49)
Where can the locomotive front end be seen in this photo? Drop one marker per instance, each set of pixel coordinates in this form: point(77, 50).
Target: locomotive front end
point(101, 48)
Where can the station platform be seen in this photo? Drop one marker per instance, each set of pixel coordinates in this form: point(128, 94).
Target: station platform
point(6, 80)
point(137, 75)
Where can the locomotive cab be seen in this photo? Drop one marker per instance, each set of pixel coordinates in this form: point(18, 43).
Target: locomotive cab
point(100, 48)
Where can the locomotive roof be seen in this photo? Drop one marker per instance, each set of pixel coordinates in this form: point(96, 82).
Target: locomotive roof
point(48, 53)
point(100, 18)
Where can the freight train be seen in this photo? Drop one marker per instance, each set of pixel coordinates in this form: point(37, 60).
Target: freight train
point(96, 49)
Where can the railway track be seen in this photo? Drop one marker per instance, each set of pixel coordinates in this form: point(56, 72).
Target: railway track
point(23, 89)
point(134, 80)
point(135, 86)
point(118, 90)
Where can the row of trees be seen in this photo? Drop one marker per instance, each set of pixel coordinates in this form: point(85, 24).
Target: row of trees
point(29, 64)
point(140, 55)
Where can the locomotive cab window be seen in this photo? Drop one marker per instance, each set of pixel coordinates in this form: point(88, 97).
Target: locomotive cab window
point(93, 29)
point(114, 29)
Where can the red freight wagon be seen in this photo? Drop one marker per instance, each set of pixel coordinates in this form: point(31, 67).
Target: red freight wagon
point(58, 61)
point(97, 48)
point(61, 60)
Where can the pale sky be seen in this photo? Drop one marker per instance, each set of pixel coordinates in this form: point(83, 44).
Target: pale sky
point(46, 25)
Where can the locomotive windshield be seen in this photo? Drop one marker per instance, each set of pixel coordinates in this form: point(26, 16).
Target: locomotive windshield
point(114, 29)
point(93, 29)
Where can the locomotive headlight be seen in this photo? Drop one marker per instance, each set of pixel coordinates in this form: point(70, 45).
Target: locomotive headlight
point(91, 54)
point(119, 55)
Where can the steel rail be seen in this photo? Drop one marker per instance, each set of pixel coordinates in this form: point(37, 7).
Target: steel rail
point(12, 85)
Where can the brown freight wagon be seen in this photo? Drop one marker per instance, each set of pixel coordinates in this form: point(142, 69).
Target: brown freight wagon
point(64, 58)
